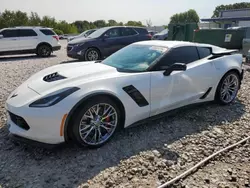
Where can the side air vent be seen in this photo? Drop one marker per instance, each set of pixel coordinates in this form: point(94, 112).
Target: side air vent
point(207, 93)
point(53, 77)
point(136, 95)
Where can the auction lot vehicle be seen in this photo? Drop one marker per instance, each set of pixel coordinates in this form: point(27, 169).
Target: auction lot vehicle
point(27, 40)
point(89, 101)
point(83, 34)
point(163, 35)
point(105, 41)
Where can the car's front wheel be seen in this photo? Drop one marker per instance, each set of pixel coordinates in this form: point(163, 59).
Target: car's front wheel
point(92, 54)
point(97, 122)
point(228, 88)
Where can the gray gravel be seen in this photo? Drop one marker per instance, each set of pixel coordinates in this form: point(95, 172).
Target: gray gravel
point(143, 156)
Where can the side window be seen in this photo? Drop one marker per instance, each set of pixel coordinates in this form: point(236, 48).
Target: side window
point(128, 32)
point(27, 33)
point(185, 55)
point(10, 33)
point(47, 32)
point(141, 30)
point(113, 33)
point(204, 52)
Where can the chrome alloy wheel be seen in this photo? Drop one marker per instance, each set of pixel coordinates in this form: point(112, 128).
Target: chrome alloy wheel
point(93, 55)
point(229, 88)
point(98, 124)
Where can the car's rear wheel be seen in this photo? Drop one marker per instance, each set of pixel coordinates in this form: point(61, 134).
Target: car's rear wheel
point(228, 88)
point(97, 122)
point(44, 50)
point(92, 54)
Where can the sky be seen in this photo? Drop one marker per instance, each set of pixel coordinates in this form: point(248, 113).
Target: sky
point(158, 11)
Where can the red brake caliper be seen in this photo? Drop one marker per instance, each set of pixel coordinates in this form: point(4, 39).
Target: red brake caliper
point(107, 120)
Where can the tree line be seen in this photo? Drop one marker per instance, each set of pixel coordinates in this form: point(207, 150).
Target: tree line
point(18, 18)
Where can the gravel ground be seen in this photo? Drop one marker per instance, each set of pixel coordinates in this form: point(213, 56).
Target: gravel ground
point(143, 156)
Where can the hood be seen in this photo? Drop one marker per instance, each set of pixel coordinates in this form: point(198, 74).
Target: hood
point(161, 34)
point(80, 40)
point(69, 75)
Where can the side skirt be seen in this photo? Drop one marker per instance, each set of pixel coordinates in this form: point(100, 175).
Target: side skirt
point(168, 114)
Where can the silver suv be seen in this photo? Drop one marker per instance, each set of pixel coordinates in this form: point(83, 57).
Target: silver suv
point(25, 40)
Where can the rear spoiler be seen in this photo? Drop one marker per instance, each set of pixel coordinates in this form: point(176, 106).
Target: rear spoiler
point(225, 52)
point(218, 54)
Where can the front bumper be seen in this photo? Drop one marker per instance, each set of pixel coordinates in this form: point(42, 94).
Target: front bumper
point(75, 56)
point(38, 124)
point(75, 52)
point(32, 142)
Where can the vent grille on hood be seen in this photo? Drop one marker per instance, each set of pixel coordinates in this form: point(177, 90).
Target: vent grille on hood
point(53, 77)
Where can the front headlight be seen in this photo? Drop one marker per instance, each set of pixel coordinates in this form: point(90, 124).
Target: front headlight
point(78, 45)
point(53, 99)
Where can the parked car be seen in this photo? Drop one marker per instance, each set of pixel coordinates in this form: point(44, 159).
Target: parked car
point(105, 41)
point(24, 40)
point(163, 35)
point(88, 102)
point(152, 33)
point(83, 34)
point(64, 36)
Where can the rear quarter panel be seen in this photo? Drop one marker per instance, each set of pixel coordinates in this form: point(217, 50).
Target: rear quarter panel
point(227, 63)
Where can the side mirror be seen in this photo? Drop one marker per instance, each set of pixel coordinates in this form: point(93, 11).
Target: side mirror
point(1, 36)
point(175, 67)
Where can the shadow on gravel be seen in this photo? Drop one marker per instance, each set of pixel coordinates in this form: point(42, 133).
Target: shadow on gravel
point(22, 58)
point(70, 165)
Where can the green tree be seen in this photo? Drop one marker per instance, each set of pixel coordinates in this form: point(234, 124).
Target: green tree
point(65, 27)
point(134, 23)
point(48, 21)
point(190, 16)
point(34, 19)
point(21, 19)
point(112, 23)
point(7, 19)
point(99, 23)
point(120, 24)
point(58, 31)
point(229, 7)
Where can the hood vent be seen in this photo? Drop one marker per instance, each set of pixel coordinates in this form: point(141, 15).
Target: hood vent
point(53, 77)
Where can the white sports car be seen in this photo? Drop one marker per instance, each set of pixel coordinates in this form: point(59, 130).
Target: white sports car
point(89, 101)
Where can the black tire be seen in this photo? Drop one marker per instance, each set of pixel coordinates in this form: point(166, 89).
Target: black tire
point(92, 54)
point(78, 118)
point(219, 96)
point(44, 50)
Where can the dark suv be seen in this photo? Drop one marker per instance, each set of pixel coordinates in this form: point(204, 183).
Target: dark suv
point(105, 41)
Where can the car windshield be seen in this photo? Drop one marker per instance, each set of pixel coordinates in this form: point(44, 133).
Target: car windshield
point(165, 31)
point(83, 33)
point(135, 57)
point(98, 33)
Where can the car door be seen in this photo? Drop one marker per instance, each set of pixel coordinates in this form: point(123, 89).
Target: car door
point(129, 36)
point(10, 40)
point(180, 88)
point(112, 41)
point(28, 39)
